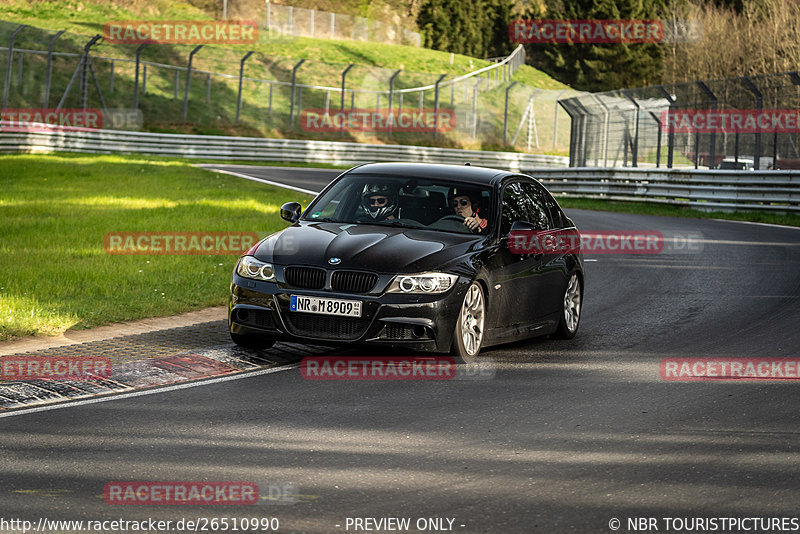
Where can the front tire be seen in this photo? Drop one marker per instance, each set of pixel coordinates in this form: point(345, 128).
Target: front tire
point(249, 341)
point(468, 333)
point(571, 310)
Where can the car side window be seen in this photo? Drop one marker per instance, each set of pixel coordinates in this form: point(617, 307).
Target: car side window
point(538, 210)
point(515, 207)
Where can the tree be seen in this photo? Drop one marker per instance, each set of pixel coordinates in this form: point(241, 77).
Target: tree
point(477, 28)
point(598, 67)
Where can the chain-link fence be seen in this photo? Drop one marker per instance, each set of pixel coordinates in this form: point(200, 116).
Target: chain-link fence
point(736, 123)
point(231, 91)
point(313, 23)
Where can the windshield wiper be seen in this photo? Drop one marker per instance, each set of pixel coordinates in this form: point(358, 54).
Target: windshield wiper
point(399, 224)
point(323, 219)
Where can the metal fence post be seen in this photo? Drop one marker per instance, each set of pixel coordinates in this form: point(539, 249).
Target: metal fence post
point(712, 149)
point(391, 94)
point(671, 130)
point(111, 79)
point(475, 91)
point(635, 145)
point(294, 88)
point(189, 81)
point(7, 87)
point(505, 113)
point(241, 76)
point(658, 140)
point(604, 144)
point(436, 106)
point(49, 68)
point(571, 134)
point(759, 106)
point(341, 107)
point(85, 66)
point(269, 109)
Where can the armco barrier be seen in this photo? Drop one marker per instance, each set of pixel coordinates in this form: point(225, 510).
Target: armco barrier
point(260, 149)
point(708, 190)
point(701, 189)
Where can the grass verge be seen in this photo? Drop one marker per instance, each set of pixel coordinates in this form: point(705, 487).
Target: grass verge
point(54, 271)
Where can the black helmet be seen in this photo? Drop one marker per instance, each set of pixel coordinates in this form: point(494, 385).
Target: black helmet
point(474, 195)
point(379, 213)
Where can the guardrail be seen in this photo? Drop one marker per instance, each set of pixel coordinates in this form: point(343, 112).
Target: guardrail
point(260, 149)
point(707, 190)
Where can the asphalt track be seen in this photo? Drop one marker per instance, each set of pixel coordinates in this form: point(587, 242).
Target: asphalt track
point(566, 436)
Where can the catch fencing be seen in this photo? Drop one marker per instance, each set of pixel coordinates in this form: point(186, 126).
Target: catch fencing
point(230, 91)
point(690, 125)
point(706, 190)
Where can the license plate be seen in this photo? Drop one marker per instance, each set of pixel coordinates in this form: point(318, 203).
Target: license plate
point(325, 306)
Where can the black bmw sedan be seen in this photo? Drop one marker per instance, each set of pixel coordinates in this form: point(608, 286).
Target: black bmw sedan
point(410, 255)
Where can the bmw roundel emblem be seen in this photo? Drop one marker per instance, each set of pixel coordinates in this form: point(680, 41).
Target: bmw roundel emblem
point(335, 261)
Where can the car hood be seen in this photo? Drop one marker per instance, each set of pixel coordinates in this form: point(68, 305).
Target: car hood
point(377, 248)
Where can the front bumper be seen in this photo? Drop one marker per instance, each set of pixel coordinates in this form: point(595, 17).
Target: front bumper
point(411, 322)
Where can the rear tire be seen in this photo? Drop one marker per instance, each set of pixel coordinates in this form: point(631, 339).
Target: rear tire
point(468, 333)
point(250, 341)
point(571, 310)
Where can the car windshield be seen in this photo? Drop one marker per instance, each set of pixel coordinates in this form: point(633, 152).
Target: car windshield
point(405, 202)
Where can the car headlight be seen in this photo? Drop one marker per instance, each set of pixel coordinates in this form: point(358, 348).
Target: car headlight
point(422, 283)
point(249, 267)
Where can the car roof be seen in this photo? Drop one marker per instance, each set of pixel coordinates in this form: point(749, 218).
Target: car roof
point(459, 173)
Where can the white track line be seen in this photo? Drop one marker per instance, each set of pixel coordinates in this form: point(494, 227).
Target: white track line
point(174, 387)
point(269, 182)
point(758, 223)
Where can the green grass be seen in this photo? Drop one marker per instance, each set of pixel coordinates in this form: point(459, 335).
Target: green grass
point(273, 60)
point(55, 210)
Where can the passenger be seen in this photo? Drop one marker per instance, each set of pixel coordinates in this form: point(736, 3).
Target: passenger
point(466, 203)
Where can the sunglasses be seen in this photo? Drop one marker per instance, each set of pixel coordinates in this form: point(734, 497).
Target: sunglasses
point(463, 202)
point(379, 201)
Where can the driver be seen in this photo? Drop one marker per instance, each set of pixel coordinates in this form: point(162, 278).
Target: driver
point(466, 203)
point(379, 201)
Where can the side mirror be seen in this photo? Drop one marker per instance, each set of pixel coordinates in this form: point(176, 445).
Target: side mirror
point(291, 212)
point(517, 227)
